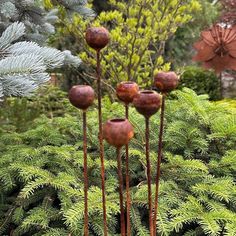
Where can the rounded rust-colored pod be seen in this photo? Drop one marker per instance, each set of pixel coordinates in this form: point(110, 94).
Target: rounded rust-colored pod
point(166, 81)
point(118, 132)
point(126, 91)
point(147, 102)
point(97, 37)
point(81, 96)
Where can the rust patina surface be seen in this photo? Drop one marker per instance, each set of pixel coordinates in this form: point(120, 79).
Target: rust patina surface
point(217, 47)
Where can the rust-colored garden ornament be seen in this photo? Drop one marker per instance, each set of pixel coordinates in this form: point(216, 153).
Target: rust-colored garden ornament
point(147, 103)
point(97, 38)
point(118, 133)
point(165, 82)
point(126, 91)
point(82, 96)
point(217, 47)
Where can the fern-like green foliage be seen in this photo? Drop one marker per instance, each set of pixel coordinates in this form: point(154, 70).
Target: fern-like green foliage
point(41, 171)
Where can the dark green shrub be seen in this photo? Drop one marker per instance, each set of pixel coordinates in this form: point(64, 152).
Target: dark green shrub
point(21, 112)
point(201, 81)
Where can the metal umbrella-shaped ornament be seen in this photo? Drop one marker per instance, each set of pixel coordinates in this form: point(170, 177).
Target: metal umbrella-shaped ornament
point(118, 133)
point(97, 38)
point(217, 47)
point(165, 82)
point(126, 91)
point(82, 96)
point(147, 103)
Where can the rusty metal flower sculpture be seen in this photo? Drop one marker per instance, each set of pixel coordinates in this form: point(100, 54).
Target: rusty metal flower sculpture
point(217, 48)
point(98, 38)
point(118, 132)
point(82, 96)
point(147, 103)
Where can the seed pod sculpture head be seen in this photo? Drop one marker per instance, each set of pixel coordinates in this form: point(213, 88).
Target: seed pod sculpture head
point(126, 91)
point(147, 102)
point(118, 132)
point(81, 96)
point(97, 37)
point(166, 81)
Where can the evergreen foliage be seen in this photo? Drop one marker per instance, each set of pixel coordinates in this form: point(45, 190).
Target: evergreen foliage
point(24, 63)
point(41, 172)
point(38, 21)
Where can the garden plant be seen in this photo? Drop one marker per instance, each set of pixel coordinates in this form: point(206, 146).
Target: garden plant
point(42, 171)
point(112, 156)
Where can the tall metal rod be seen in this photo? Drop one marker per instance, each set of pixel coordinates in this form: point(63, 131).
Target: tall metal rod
point(122, 214)
point(147, 134)
point(101, 147)
point(86, 231)
point(128, 201)
point(160, 144)
point(126, 111)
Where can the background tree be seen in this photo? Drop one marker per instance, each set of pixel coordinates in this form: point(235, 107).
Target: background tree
point(179, 48)
point(36, 18)
point(101, 5)
point(139, 30)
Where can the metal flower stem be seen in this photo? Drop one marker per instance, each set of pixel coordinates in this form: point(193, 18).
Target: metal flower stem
point(122, 215)
point(128, 202)
point(101, 147)
point(86, 231)
point(147, 134)
point(160, 144)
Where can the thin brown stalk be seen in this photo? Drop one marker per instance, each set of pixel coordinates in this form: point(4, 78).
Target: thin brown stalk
point(86, 231)
point(149, 177)
point(160, 144)
point(122, 214)
point(101, 147)
point(128, 201)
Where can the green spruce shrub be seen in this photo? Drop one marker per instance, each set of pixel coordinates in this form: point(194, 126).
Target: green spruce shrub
point(41, 172)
